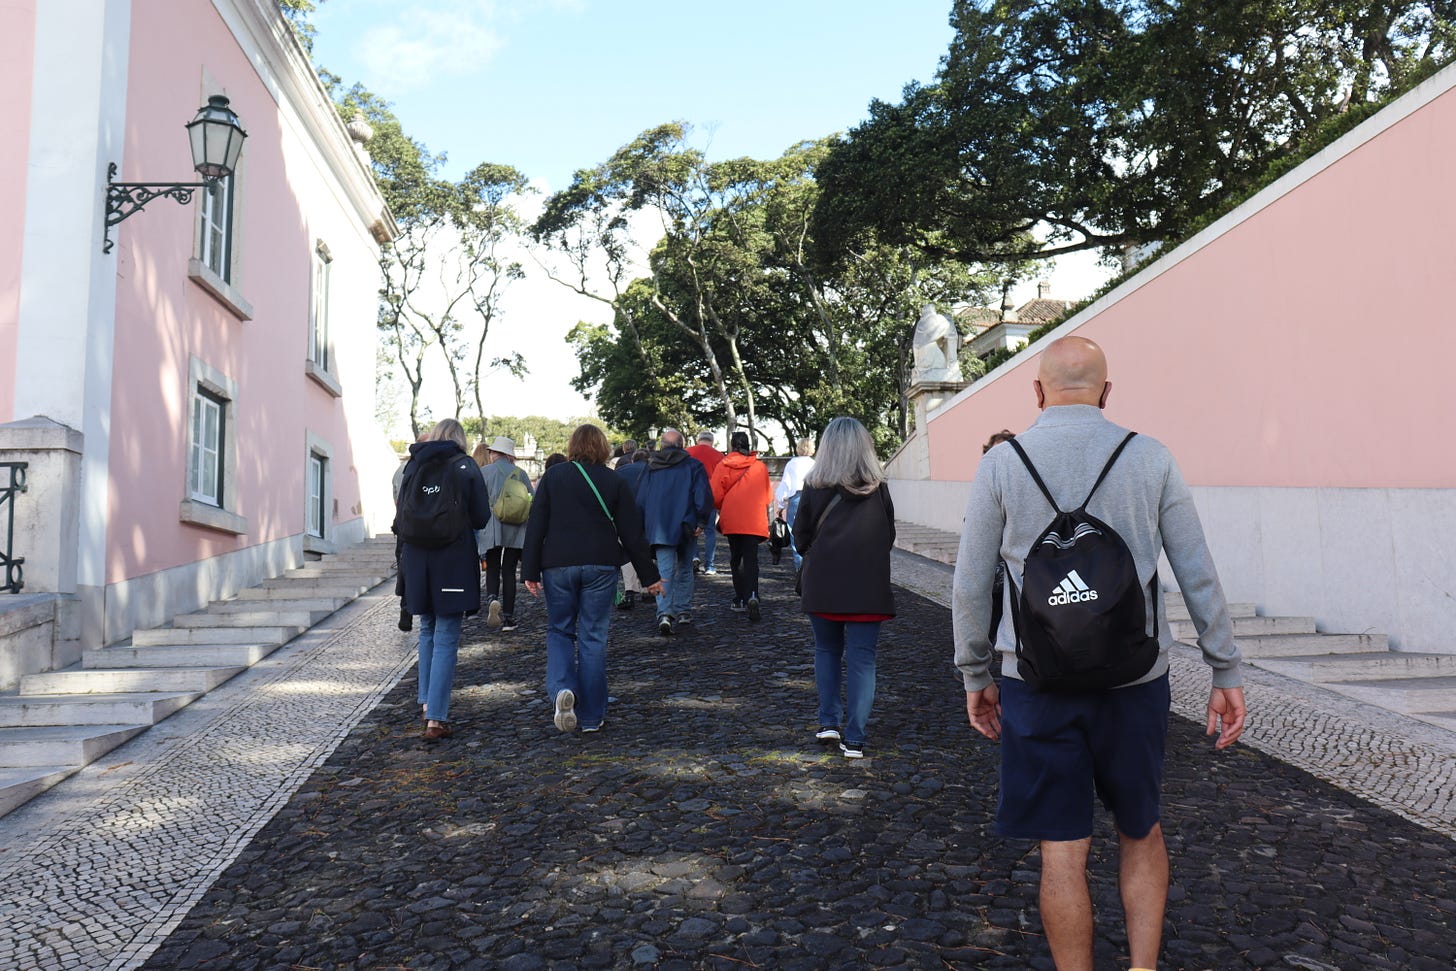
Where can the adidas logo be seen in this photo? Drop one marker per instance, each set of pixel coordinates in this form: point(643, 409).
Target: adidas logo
point(1071, 590)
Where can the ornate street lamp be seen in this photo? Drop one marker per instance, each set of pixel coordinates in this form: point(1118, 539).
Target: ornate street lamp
point(217, 140)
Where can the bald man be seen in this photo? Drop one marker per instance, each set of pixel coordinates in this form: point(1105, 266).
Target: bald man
point(1058, 749)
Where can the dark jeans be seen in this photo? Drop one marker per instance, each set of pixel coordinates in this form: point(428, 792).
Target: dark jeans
point(743, 561)
point(498, 559)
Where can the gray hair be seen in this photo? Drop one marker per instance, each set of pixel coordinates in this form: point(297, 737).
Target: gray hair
point(846, 458)
point(447, 430)
point(804, 446)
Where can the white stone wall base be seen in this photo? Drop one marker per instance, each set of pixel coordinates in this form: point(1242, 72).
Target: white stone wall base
point(1356, 560)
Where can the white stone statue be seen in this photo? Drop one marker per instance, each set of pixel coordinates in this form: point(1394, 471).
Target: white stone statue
point(937, 348)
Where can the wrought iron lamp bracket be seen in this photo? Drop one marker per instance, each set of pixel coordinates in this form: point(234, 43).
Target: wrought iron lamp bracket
point(123, 199)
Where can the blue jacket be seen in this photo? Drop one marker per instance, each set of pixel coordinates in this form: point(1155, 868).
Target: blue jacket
point(674, 497)
point(632, 473)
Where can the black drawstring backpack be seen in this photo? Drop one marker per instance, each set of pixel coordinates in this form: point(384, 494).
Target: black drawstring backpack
point(1080, 615)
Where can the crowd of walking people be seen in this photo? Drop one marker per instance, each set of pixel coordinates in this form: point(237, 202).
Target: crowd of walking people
point(1080, 702)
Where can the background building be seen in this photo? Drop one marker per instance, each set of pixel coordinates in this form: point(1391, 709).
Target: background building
point(196, 407)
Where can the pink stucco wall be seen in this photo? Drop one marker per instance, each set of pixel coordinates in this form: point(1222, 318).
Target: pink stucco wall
point(1310, 345)
point(17, 56)
point(163, 318)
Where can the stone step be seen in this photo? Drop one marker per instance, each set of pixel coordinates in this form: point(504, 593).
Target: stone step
point(20, 785)
point(1291, 645)
point(144, 708)
point(177, 656)
point(311, 587)
point(1178, 612)
point(1408, 695)
point(88, 681)
point(301, 590)
point(1184, 630)
point(51, 745)
point(1441, 719)
point(363, 574)
point(251, 618)
point(1371, 666)
point(168, 636)
point(326, 604)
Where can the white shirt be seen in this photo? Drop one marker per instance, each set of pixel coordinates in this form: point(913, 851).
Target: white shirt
point(793, 478)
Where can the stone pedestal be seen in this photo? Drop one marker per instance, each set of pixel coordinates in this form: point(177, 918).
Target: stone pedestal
point(47, 514)
point(912, 461)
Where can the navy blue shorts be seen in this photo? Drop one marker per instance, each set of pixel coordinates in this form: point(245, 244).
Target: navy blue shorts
point(1057, 750)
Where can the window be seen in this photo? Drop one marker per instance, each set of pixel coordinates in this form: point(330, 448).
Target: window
point(317, 515)
point(215, 234)
point(210, 493)
point(205, 481)
point(318, 316)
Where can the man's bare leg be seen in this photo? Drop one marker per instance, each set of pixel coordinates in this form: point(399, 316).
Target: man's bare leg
point(1066, 904)
point(1143, 879)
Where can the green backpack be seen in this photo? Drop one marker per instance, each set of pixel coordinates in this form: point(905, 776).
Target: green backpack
point(513, 506)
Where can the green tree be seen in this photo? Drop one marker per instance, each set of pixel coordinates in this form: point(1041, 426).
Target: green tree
point(1071, 120)
point(297, 12)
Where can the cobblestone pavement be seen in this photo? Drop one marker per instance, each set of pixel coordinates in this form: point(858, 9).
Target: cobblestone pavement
point(703, 827)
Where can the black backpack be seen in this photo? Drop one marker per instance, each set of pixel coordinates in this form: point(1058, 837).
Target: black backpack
point(1080, 615)
point(431, 511)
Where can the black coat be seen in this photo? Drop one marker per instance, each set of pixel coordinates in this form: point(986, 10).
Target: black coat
point(847, 561)
point(569, 528)
point(446, 580)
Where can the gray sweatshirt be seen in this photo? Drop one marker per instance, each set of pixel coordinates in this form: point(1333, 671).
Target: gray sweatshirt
point(1144, 498)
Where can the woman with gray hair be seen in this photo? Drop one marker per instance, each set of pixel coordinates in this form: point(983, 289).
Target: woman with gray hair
point(844, 530)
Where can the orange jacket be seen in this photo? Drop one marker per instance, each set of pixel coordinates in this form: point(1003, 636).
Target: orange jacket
point(742, 493)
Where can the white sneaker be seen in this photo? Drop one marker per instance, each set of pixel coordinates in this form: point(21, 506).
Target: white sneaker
point(827, 734)
point(565, 710)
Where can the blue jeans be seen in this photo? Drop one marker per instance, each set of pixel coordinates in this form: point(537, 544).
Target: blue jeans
point(709, 544)
point(439, 644)
point(675, 564)
point(848, 647)
point(578, 612)
point(792, 512)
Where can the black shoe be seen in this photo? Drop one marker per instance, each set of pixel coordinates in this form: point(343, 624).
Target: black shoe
point(683, 620)
point(753, 612)
point(697, 565)
point(508, 622)
point(736, 605)
point(852, 750)
point(627, 603)
point(827, 734)
point(664, 626)
point(406, 620)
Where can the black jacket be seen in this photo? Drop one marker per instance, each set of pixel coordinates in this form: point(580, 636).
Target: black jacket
point(569, 528)
point(446, 580)
point(847, 561)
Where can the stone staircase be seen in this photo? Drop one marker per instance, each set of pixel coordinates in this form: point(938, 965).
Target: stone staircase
point(1360, 666)
point(60, 721)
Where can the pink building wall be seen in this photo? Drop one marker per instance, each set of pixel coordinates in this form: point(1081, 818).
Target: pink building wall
point(17, 53)
point(1295, 358)
point(163, 318)
point(1307, 346)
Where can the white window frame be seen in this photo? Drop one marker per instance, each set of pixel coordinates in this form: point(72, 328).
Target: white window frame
point(317, 471)
point(209, 430)
point(215, 229)
point(215, 507)
point(319, 351)
point(318, 495)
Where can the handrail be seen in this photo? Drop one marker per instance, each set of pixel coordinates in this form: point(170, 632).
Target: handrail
point(10, 486)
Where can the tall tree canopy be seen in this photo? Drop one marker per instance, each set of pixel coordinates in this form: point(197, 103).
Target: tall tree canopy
point(1105, 123)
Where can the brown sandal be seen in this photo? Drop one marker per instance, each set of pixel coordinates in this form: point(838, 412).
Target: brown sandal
point(442, 730)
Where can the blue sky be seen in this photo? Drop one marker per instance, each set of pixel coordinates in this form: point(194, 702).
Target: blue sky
point(551, 86)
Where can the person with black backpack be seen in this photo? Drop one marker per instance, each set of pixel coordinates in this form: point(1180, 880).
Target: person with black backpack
point(442, 501)
point(1079, 510)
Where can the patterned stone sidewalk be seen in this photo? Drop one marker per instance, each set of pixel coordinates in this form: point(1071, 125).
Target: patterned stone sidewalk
point(99, 869)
